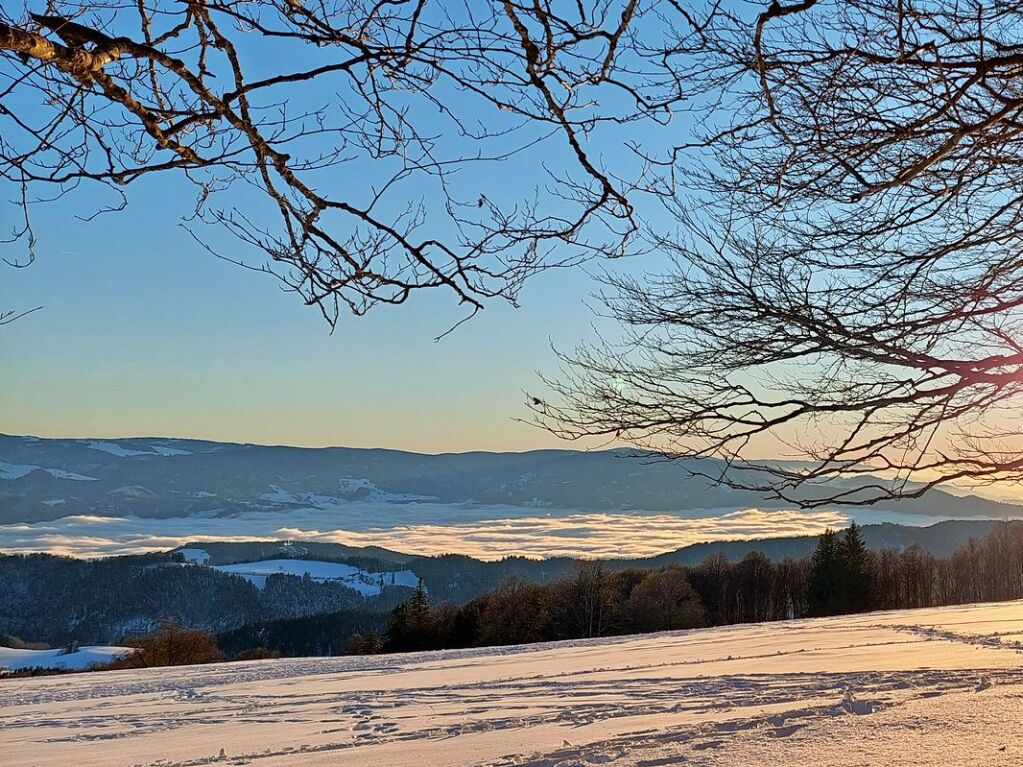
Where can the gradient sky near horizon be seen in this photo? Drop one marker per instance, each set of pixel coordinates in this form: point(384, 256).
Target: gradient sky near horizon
point(142, 332)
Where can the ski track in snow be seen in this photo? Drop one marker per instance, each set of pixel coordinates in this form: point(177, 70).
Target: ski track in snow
point(938, 686)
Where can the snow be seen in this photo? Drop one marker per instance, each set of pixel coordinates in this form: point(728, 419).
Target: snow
point(126, 452)
point(365, 582)
point(199, 556)
point(114, 449)
point(13, 659)
point(164, 450)
point(280, 495)
point(133, 491)
point(351, 485)
point(927, 687)
point(15, 470)
point(19, 470)
point(347, 487)
point(61, 474)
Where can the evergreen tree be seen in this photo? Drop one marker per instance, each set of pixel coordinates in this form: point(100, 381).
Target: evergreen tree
point(824, 588)
point(857, 595)
point(411, 626)
point(418, 605)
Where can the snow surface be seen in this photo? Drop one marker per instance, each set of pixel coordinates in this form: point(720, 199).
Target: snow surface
point(126, 452)
point(13, 659)
point(61, 474)
point(914, 688)
point(365, 582)
point(350, 485)
point(347, 487)
point(114, 449)
point(19, 470)
point(133, 491)
point(164, 450)
point(199, 556)
point(16, 470)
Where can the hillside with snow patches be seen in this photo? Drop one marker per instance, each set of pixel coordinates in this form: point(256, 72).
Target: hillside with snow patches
point(925, 687)
point(96, 497)
point(162, 478)
point(366, 583)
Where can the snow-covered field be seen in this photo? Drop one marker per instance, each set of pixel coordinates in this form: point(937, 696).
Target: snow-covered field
point(363, 581)
point(926, 687)
point(13, 659)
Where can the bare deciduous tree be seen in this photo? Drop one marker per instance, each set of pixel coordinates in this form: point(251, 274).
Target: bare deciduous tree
point(848, 267)
point(356, 138)
point(665, 601)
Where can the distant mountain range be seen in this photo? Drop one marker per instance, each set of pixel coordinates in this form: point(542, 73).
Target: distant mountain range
point(45, 479)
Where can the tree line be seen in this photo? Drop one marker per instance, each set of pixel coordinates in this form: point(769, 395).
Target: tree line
point(842, 576)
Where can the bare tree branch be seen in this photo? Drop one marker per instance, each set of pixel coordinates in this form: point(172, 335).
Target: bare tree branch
point(847, 274)
point(371, 132)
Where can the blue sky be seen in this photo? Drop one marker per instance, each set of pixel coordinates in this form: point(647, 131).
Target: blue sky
point(144, 333)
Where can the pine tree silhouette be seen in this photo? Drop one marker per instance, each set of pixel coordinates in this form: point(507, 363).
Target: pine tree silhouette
point(411, 626)
point(857, 594)
point(824, 587)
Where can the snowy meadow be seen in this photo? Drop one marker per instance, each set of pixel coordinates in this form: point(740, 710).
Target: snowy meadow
point(924, 687)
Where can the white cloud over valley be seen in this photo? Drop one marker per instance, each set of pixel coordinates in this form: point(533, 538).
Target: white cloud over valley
point(487, 532)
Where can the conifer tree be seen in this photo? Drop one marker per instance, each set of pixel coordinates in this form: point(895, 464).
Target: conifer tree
point(824, 589)
point(410, 626)
point(856, 593)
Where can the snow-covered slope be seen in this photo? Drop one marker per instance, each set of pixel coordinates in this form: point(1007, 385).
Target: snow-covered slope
point(363, 581)
point(929, 687)
point(13, 659)
point(17, 471)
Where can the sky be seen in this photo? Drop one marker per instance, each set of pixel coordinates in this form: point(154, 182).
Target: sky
point(144, 333)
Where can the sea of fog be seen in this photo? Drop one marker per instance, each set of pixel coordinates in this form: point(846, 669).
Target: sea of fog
point(487, 532)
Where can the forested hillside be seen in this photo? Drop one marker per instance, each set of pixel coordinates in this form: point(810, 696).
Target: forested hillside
point(842, 576)
point(55, 600)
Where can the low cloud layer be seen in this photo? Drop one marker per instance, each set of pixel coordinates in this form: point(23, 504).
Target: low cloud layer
point(487, 532)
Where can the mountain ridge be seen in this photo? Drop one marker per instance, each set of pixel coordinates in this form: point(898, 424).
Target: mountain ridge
point(45, 479)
